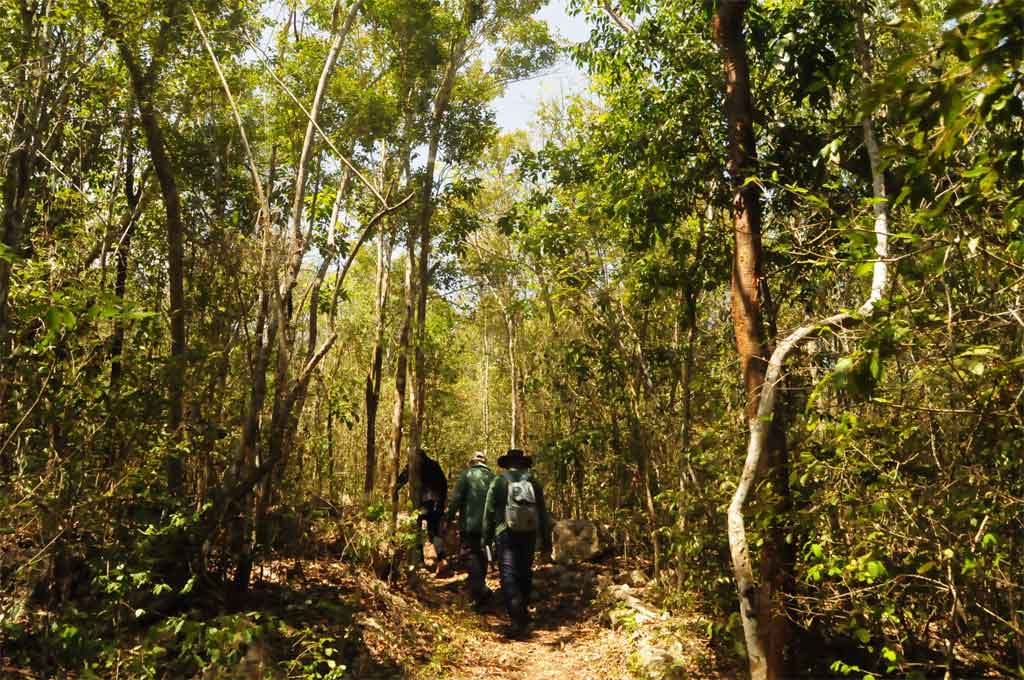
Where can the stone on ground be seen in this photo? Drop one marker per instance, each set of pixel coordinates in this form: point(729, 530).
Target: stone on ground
point(575, 540)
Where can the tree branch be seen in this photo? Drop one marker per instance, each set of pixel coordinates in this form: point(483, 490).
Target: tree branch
point(623, 22)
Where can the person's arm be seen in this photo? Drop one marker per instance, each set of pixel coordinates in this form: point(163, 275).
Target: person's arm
point(545, 521)
point(489, 523)
point(458, 499)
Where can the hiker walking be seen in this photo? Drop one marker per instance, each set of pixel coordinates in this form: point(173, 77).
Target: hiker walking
point(468, 501)
point(514, 517)
point(433, 492)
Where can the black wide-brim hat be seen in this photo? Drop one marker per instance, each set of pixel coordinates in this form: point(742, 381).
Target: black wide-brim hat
point(515, 458)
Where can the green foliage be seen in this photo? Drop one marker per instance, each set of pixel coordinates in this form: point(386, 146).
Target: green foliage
point(584, 269)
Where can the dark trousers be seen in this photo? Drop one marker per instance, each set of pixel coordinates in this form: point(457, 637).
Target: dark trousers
point(515, 564)
point(432, 512)
point(476, 565)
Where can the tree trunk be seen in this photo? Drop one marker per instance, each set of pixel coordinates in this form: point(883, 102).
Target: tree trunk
point(764, 622)
point(426, 212)
point(401, 373)
point(290, 393)
point(20, 161)
point(642, 455)
point(485, 397)
point(143, 83)
point(373, 376)
point(134, 201)
point(516, 429)
point(686, 475)
point(15, 193)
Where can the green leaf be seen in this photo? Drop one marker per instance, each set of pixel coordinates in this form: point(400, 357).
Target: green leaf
point(59, 318)
point(875, 365)
point(844, 365)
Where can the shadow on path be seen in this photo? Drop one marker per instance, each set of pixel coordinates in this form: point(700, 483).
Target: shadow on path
point(567, 641)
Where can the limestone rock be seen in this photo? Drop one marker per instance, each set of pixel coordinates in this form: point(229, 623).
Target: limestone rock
point(575, 540)
point(659, 661)
point(637, 578)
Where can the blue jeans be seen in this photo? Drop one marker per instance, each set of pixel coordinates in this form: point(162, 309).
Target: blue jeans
point(515, 565)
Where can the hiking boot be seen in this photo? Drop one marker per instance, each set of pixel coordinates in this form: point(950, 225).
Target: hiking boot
point(480, 603)
point(515, 631)
point(519, 630)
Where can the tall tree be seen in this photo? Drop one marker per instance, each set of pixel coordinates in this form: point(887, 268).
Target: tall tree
point(144, 79)
point(765, 625)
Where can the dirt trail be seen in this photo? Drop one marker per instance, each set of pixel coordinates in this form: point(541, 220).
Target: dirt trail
point(422, 627)
point(568, 640)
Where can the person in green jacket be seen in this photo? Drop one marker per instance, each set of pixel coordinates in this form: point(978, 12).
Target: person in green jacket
point(468, 502)
point(515, 516)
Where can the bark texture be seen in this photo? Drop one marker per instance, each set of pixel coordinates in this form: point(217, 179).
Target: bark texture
point(764, 622)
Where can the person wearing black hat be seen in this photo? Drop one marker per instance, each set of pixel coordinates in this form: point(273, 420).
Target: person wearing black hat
point(514, 517)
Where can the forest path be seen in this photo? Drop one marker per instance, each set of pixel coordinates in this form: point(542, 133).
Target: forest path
point(568, 640)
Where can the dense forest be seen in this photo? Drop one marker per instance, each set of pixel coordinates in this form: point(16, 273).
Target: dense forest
point(752, 301)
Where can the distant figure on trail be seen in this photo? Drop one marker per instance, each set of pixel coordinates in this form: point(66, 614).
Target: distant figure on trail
point(514, 517)
point(468, 501)
point(434, 492)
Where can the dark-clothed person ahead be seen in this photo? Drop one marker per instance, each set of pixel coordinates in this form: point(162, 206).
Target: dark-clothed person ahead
point(468, 501)
point(515, 516)
point(434, 490)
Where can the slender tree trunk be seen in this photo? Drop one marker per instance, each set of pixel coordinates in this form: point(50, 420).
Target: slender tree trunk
point(290, 393)
point(642, 455)
point(401, 373)
point(485, 397)
point(516, 429)
point(686, 476)
point(133, 201)
point(28, 80)
point(373, 376)
point(175, 272)
point(143, 84)
point(419, 388)
point(12, 223)
point(331, 480)
point(761, 609)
